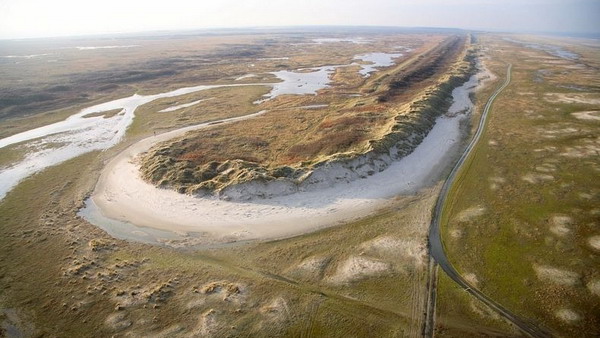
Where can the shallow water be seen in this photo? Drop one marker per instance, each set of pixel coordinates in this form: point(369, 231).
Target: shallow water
point(301, 82)
point(357, 40)
point(24, 56)
point(106, 47)
point(377, 60)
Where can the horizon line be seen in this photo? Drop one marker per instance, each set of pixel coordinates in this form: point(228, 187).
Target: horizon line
point(150, 32)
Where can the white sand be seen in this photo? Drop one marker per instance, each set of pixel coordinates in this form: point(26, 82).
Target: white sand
point(594, 287)
point(247, 76)
point(577, 98)
point(568, 315)
point(409, 249)
point(106, 47)
point(472, 279)
point(594, 242)
point(560, 225)
point(554, 275)
point(471, 213)
point(535, 178)
point(358, 267)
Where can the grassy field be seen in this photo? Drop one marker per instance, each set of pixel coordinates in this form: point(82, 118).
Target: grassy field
point(524, 212)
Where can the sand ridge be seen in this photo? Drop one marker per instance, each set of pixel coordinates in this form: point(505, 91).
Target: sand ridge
point(121, 194)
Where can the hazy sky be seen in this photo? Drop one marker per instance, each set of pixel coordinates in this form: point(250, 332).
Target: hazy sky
point(37, 18)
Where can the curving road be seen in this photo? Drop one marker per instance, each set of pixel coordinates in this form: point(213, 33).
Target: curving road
point(436, 246)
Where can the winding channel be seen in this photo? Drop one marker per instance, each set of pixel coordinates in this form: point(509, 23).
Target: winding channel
point(436, 245)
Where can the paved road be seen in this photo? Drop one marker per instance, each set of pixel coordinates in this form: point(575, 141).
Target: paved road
point(436, 246)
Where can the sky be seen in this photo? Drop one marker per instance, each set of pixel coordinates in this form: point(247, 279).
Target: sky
point(46, 18)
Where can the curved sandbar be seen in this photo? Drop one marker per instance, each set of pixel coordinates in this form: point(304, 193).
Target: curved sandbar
point(121, 193)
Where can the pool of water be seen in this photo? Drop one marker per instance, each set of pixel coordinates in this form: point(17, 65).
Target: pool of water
point(356, 40)
point(301, 82)
point(376, 60)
